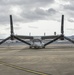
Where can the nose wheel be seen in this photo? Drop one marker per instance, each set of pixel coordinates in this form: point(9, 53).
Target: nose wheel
point(30, 47)
point(43, 47)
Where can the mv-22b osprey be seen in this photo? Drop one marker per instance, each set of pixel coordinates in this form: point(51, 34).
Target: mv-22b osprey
point(37, 42)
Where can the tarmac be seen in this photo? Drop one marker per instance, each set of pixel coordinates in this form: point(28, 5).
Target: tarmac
point(55, 59)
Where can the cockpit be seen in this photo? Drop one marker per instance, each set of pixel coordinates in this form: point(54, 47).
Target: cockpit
point(36, 40)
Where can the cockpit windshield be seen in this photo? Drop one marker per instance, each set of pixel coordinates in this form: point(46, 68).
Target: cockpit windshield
point(37, 40)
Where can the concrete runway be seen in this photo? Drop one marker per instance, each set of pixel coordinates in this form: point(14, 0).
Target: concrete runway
point(55, 59)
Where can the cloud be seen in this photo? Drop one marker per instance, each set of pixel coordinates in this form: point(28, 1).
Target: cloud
point(69, 10)
point(69, 7)
point(27, 2)
point(36, 14)
point(71, 19)
point(66, 7)
point(23, 10)
point(39, 14)
point(34, 10)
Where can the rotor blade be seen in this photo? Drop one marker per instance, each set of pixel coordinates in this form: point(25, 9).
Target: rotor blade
point(11, 25)
point(69, 39)
point(4, 40)
point(52, 40)
point(62, 25)
point(21, 40)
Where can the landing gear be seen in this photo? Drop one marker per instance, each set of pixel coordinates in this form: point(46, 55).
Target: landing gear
point(30, 47)
point(43, 47)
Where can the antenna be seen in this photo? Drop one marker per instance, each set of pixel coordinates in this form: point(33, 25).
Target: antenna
point(54, 33)
point(44, 34)
point(29, 34)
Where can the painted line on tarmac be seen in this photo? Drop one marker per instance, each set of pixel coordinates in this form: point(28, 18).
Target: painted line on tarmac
point(23, 69)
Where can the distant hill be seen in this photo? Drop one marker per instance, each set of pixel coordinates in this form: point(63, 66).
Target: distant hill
point(72, 37)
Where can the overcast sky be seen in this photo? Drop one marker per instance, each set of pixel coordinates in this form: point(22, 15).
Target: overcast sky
point(36, 16)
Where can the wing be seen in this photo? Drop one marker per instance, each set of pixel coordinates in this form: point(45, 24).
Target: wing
point(32, 37)
point(49, 37)
point(24, 37)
